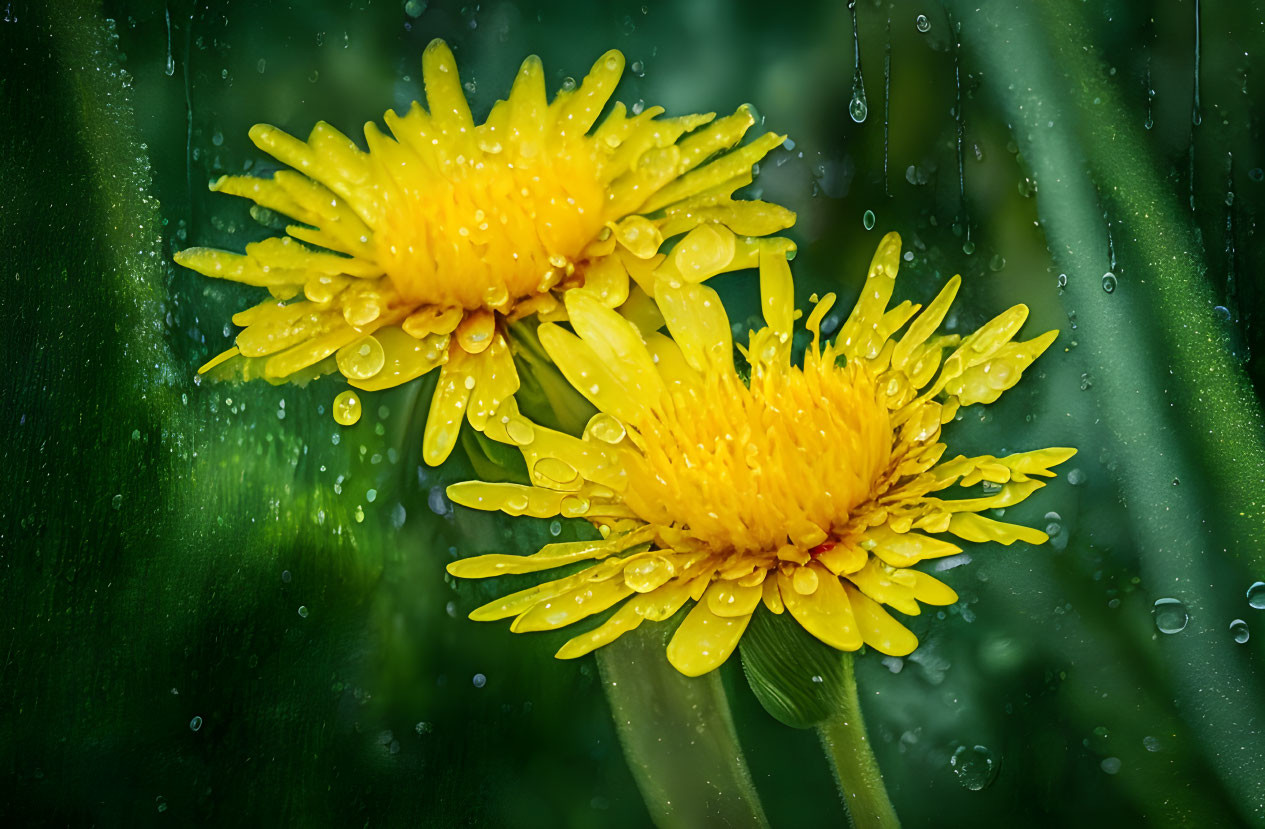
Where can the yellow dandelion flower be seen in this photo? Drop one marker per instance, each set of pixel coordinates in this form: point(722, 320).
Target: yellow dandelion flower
point(417, 253)
point(814, 490)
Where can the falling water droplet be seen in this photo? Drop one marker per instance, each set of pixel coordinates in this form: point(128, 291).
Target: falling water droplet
point(857, 107)
point(974, 766)
point(922, 23)
point(1109, 282)
point(1170, 616)
point(867, 220)
point(1256, 595)
point(347, 408)
point(1238, 629)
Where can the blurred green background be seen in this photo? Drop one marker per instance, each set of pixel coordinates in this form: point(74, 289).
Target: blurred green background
point(216, 603)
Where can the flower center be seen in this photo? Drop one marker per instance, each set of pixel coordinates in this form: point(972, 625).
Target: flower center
point(750, 469)
point(487, 230)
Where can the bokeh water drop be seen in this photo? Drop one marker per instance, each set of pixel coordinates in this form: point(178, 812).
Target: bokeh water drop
point(974, 766)
point(1170, 615)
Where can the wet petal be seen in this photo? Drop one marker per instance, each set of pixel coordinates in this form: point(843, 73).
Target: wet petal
point(825, 613)
point(704, 640)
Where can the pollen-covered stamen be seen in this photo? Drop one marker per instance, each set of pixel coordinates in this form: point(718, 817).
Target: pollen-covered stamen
point(487, 228)
point(753, 468)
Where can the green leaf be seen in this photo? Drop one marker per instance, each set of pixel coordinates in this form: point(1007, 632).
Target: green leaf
point(492, 461)
point(798, 679)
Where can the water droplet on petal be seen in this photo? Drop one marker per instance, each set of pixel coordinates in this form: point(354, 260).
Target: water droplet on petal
point(362, 359)
point(605, 428)
point(649, 573)
point(552, 470)
point(520, 431)
point(805, 581)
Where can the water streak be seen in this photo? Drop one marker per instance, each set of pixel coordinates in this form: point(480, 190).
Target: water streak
point(857, 107)
point(887, 98)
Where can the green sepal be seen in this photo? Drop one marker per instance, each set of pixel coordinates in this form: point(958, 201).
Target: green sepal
point(799, 680)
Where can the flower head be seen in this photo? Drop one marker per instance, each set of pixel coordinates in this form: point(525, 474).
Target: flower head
point(417, 253)
point(815, 489)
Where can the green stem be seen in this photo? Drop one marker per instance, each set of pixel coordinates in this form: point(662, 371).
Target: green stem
point(678, 736)
point(856, 770)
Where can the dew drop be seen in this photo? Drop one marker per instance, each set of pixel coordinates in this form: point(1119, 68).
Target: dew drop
point(1256, 595)
point(922, 24)
point(1111, 765)
point(414, 8)
point(1109, 282)
point(1170, 616)
point(867, 221)
point(1238, 629)
point(303, 611)
point(117, 501)
point(195, 724)
point(478, 680)
point(555, 528)
point(347, 408)
point(974, 766)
